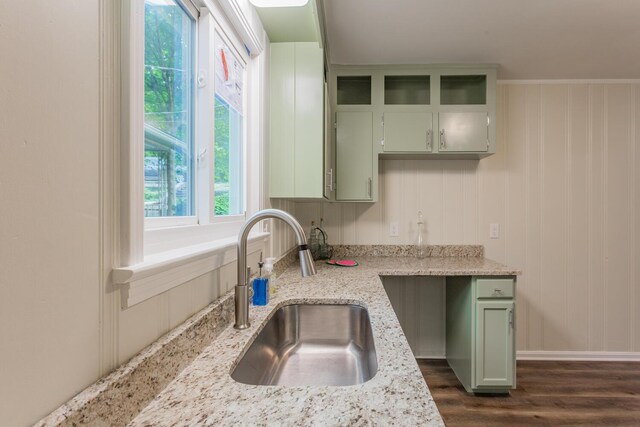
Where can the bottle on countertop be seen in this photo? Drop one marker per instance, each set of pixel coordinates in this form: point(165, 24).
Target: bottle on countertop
point(260, 288)
point(421, 245)
point(324, 250)
point(268, 273)
point(313, 243)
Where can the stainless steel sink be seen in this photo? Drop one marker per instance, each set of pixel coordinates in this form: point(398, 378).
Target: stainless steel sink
point(311, 345)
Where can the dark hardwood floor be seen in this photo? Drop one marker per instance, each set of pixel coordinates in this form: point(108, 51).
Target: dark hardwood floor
point(548, 393)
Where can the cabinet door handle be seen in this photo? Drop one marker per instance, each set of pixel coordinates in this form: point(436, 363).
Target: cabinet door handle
point(443, 141)
point(369, 184)
point(429, 140)
point(511, 318)
point(330, 179)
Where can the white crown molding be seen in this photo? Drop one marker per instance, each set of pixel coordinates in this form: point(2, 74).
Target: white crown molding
point(568, 81)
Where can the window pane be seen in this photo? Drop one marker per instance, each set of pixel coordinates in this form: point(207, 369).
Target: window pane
point(229, 132)
point(168, 107)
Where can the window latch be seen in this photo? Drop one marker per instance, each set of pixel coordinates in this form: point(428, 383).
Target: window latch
point(201, 154)
point(202, 78)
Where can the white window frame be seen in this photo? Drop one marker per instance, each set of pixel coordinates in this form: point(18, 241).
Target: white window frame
point(180, 221)
point(208, 26)
point(160, 234)
point(162, 253)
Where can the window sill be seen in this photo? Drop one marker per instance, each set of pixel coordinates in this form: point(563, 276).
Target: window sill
point(165, 270)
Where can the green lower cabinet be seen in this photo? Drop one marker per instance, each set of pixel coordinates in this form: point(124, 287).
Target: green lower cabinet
point(494, 344)
point(480, 332)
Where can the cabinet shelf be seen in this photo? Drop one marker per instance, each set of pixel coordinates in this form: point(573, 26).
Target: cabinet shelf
point(463, 90)
point(407, 90)
point(354, 90)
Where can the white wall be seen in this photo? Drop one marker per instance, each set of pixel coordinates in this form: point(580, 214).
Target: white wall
point(61, 326)
point(564, 187)
point(49, 254)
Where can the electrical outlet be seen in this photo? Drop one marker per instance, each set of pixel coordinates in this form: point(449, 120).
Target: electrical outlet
point(494, 231)
point(394, 229)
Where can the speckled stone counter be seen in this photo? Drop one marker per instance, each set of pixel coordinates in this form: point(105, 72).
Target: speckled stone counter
point(205, 394)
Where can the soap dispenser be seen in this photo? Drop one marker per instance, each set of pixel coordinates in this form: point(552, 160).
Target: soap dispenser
point(260, 288)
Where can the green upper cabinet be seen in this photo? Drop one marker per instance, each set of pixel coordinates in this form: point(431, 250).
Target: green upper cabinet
point(353, 90)
point(407, 113)
point(463, 132)
point(357, 134)
point(407, 89)
point(418, 112)
point(282, 129)
point(466, 111)
point(297, 121)
point(407, 132)
point(354, 156)
point(329, 173)
point(436, 111)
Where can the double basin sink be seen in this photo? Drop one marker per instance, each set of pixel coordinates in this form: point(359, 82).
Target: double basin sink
point(311, 345)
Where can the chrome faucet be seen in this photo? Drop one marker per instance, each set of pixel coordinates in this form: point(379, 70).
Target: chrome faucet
point(242, 288)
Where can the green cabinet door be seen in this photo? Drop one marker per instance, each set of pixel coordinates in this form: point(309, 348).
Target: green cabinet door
point(408, 132)
point(329, 177)
point(463, 132)
point(494, 349)
point(296, 142)
point(354, 155)
point(282, 129)
point(309, 121)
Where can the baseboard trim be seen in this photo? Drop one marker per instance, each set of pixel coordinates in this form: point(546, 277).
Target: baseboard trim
point(586, 356)
point(600, 356)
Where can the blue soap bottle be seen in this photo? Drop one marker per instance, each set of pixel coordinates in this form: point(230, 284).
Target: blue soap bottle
point(260, 288)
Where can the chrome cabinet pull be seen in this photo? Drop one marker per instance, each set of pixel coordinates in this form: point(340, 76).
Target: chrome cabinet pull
point(511, 318)
point(330, 179)
point(429, 140)
point(443, 141)
point(497, 292)
point(369, 184)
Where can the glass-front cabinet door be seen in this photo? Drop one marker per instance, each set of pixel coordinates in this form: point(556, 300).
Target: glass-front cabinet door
point(464, 113)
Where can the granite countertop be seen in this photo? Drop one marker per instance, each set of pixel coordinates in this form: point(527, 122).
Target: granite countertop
point(205, 394)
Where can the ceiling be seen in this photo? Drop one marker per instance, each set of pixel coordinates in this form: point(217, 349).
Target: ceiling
point(529, 39)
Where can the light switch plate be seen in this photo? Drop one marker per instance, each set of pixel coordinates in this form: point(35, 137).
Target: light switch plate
point(494, 231)
point(394, 229)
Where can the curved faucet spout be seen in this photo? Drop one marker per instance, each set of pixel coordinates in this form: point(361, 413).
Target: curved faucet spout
point(307, 268)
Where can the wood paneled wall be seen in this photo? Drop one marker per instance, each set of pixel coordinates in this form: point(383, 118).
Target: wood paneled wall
point(564, 187)
point(419, 303)
point(282, 236)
